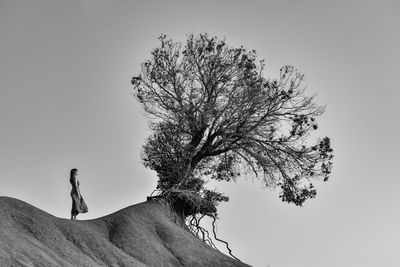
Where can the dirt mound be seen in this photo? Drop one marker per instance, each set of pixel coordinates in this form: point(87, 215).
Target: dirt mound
point(145, 234)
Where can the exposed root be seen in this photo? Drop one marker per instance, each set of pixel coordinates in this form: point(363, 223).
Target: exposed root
point(193, 223)
point(193, 219)
point(220, 240)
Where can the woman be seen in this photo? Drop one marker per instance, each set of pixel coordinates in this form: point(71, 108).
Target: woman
point(78, 204)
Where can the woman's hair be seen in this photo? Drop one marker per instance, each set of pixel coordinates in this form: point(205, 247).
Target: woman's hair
point(72, 174)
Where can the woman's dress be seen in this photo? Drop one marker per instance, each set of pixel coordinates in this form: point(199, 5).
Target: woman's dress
point(78, 205)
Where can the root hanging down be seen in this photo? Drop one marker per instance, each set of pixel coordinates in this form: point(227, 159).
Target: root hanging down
point(220, 240)
point(200, 232)
point(197, 213)
point(193, 223)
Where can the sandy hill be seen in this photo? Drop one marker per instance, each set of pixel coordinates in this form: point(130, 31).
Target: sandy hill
point(145, 234)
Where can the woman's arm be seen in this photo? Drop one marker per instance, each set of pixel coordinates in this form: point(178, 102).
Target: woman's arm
point(76, 187)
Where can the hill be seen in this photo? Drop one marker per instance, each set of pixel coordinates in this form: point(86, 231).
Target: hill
point(145, 234)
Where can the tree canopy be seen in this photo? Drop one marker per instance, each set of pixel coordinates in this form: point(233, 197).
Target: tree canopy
point(214, 115)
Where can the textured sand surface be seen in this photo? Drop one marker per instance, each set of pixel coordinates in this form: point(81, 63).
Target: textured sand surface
point(145, 234)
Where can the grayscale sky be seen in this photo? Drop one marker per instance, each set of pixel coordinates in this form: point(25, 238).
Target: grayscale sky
point(66, 101)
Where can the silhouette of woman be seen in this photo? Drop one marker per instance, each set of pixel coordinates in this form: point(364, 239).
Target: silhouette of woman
point(78, 204)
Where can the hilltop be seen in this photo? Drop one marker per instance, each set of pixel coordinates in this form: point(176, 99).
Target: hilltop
point(145, 234)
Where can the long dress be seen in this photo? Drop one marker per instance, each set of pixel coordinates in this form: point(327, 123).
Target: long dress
point(78, 205)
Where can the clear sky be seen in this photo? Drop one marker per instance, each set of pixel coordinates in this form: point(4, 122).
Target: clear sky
point(66, 102)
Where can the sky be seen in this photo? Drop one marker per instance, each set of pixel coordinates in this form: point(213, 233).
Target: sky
point(66, 102)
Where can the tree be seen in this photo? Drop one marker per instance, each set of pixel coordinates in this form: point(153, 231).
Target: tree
point(215, 115)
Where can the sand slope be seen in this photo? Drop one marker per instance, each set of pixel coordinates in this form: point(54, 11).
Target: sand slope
point(144, 234)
